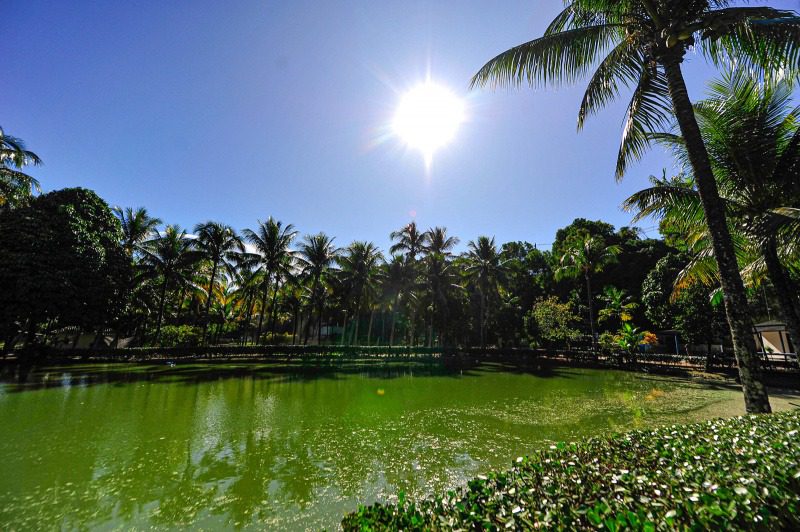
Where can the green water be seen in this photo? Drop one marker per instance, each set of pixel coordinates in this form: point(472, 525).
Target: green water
point(248, 446)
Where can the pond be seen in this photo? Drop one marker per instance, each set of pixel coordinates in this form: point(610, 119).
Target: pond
point(258, 446)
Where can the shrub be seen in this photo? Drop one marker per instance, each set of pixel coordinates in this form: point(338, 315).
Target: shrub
point(180, 336)
point(551, 321)
point(722, 474)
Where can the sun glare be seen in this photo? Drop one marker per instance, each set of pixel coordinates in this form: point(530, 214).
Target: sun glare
point(428, 117)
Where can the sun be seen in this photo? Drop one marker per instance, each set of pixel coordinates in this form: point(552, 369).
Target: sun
point(428, 117)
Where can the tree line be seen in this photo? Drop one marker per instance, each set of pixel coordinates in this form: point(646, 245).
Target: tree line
point(71, 261)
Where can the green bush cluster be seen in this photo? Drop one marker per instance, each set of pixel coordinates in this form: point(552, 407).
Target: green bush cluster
point(181, 335)
point(740, 473)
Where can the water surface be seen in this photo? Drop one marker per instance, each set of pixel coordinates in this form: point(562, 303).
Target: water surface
point(256, 446)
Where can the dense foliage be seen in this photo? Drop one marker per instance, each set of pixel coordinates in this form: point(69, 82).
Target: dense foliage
point(739, 473)
point(61, 259)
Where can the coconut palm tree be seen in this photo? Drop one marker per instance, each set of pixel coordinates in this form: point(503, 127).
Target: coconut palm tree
point(171, 257)
point(437, 241)
point(440, 281)
point(583, 256)
point(409, 240)
point(316, 256)
point(412, 242)
point(752, 133)
point(272, 241)
point(641, 44)
point(398, 278)
point(437, 247)
point(485, 268)
point(358, 269)
point(15, 186)
point(137, 227)
point(220, 246)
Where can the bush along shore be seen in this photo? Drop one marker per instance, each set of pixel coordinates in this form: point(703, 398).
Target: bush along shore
point(739, 473)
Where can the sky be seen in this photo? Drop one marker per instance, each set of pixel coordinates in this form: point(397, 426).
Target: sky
point(237, 111)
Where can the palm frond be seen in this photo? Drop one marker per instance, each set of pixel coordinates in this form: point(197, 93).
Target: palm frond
point(650, 109)
point(761, 40)
point(622, 66)
point(558, 58)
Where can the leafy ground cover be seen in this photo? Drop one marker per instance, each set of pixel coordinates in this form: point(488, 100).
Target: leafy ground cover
point(738, 473)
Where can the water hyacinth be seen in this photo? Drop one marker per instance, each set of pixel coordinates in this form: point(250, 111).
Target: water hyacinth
point(739, 473)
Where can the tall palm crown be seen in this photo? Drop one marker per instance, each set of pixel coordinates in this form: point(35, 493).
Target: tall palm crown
point(137, 227)
point(358, 265)
point(15, 185)
point(485, 267)
point(640, 44)
point(316, 257)
point(171, 257)
point(437, 241)
point(583, 256)
point(272, 242)
point(409, 240)
point(483, 260)
point(220, 246)
point(632, 43)
point(359, 270)
point(317, 253)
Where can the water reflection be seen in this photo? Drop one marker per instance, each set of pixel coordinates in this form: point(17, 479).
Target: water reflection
point(247, 446)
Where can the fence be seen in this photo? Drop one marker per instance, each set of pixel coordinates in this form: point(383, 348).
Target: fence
point(338, 353)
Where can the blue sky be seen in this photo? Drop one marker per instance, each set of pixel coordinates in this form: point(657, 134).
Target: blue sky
point(235, 111)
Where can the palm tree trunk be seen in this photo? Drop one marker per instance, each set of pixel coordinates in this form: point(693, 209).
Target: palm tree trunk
point(483, 320)
point(357, 318)
point(263, 309)
point(394, 318)
point(295, 325)
point(161, 308)
point(208, 302)
point(741, 325)
point(274, 310)
point(591, 310)
point(383, 327)
point(249, 303)
point(369, 328)
point(319, 325)
point(777, 277)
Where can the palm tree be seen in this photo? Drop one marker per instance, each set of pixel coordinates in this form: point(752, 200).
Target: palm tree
point(485, 267)
point(752, 133)
point(15, 186)
point(272, 241)
point(397, 279)
point(440, 279)
point(316, 256)
point(171, 257)
point(408, 240)
point(642, 43)
point(412, 242)
point(437, 241)
point(358, 268)
point(220, 246)
point(619, 305)
point(248, 284)
point(137, 227)
point(583, 256)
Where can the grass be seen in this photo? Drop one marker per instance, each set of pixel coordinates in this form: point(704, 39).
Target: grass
point(738, 473)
